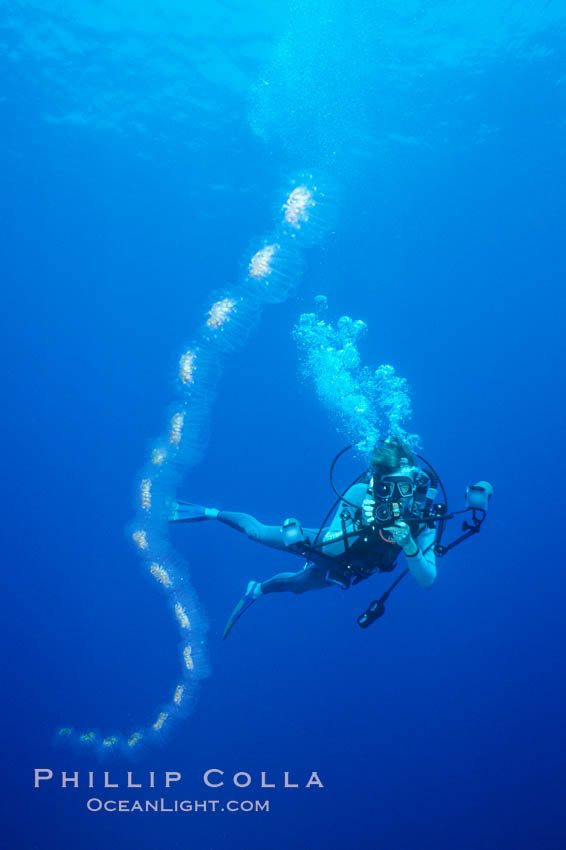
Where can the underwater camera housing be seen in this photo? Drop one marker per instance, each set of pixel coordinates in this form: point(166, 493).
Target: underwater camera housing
point(419, 506)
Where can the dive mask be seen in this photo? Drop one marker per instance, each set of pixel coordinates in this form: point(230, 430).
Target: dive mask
point(393, 486)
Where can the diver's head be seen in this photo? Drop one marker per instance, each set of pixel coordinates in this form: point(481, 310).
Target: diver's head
point(395, 476)
point(393, 458)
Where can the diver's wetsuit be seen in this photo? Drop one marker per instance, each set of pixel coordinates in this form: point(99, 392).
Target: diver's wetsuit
point(311, 577)
point(370, 556)
point(269, 535)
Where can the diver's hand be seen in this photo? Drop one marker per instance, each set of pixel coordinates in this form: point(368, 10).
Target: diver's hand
point(401, 534)
point(368, 510)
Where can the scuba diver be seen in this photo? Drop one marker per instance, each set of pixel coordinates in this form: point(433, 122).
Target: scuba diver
point(388, 510)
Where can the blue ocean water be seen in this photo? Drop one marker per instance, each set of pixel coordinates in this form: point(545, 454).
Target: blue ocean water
point(144, 147)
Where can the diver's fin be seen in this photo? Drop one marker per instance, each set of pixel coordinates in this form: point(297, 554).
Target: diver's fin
point(247, 599)
point(187, 512)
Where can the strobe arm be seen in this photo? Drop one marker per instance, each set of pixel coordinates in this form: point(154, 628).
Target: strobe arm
point(478, 517)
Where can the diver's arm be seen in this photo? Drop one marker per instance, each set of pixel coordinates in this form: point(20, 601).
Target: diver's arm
point(419, 552)
point(420, 556)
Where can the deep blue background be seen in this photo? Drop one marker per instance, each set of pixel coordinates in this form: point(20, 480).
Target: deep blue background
point(133, 181)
